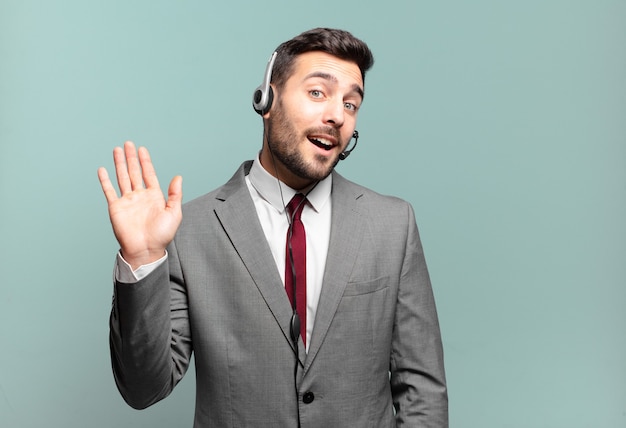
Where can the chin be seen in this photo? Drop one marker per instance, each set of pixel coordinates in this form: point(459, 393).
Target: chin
point(324, 166)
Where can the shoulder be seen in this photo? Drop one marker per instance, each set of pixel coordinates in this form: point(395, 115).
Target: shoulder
point(235, 190)
point(369, 200)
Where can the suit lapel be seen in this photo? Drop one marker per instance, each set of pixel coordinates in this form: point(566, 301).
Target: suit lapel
point(345, 240)
point(246, 234)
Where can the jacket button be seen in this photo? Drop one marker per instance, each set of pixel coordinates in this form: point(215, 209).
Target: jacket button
point(308, 397)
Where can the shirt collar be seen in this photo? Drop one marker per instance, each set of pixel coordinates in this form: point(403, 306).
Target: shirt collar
point(267, 187)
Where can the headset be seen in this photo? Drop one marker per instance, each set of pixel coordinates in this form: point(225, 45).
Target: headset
point(264, 96)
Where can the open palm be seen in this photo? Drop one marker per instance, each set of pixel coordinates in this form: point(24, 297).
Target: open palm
point(143, 221)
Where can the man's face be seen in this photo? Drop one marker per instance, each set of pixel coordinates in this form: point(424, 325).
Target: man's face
point(312, 119)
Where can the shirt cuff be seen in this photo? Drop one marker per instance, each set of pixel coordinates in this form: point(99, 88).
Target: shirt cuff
point(124, 272)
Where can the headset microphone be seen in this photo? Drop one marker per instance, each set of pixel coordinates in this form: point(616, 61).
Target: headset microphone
point(344, 155)
point(264, 95)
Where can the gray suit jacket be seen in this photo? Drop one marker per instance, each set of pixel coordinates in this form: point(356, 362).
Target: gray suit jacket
point(375, 357)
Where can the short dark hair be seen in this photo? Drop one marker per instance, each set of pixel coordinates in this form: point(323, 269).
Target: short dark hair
point(338, 43)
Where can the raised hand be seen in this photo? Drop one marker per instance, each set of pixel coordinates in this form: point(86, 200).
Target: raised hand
point(144, 223)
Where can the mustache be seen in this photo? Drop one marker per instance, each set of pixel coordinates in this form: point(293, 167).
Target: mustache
point(327, 130)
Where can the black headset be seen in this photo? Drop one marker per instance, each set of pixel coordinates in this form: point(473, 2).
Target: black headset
point(264, 95)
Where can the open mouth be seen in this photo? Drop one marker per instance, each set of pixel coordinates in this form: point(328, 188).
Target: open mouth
point(321, 143)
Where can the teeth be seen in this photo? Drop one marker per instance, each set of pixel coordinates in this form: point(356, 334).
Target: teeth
point(324, 142)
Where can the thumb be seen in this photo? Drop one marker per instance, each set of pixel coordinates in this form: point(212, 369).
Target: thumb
point(175, 193)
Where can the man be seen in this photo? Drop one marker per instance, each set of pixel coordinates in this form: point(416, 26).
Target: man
point(315, 315)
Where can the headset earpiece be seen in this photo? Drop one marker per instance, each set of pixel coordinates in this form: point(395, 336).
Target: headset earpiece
point(264, 94)
point(262, 101)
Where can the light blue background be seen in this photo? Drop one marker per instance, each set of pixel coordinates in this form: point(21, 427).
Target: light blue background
point(503, 123)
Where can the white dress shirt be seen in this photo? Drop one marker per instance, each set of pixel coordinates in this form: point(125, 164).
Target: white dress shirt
point(270, 197)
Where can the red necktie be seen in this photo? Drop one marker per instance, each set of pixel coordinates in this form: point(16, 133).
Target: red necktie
point(295, 262)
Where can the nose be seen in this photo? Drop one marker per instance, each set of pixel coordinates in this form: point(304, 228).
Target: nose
point(334, 113)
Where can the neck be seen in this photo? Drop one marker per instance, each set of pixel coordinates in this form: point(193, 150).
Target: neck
point(277, 169)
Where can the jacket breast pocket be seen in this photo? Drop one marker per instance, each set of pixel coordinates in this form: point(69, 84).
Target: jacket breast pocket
point(366, 287)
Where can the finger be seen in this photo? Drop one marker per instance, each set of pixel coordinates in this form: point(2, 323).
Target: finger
point(121, 171)
point(175, 193)
point(147, 168)
point(134, 168)
point(107, 187)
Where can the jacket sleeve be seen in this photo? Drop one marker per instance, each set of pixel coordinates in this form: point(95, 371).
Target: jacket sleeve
point(150, 337)
point(417, 369)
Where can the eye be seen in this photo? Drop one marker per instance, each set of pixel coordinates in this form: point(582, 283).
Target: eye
point(350, 106)
point(316, 93)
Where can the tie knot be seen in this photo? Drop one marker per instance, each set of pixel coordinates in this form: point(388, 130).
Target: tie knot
point(296, 205)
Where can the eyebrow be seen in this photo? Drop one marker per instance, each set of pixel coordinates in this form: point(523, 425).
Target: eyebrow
point(327, 76)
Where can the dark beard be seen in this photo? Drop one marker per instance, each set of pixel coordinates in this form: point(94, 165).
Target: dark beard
point(282, 141)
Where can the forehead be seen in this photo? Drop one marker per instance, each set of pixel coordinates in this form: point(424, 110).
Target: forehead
point(312, 64)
